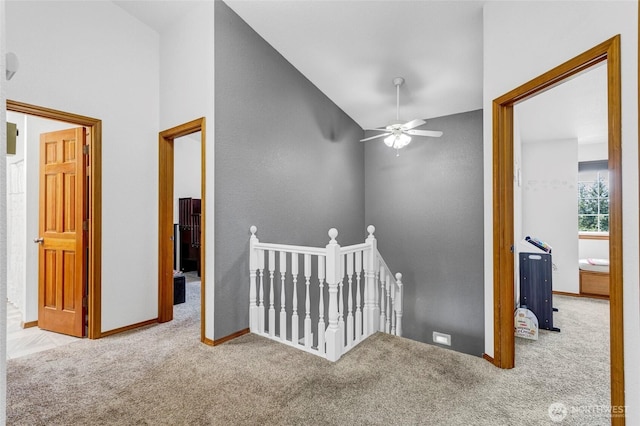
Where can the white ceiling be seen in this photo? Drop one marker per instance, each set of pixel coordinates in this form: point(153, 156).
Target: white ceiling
point(352, 49)
point(576, 109)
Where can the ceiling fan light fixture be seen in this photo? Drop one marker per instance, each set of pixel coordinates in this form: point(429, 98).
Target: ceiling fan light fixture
point(397, 141)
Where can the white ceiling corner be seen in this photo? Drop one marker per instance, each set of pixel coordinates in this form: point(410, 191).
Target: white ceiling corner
point(352, 49)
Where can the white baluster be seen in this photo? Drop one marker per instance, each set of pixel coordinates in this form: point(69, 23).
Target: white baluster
point(308, 337)
point(341, 299)
point(283, 297)
point(253, 266)
point(387, 328)
point(261, 295)
point(294, 315)
point(334, 338)
point(272, 309)
point(399, 302)
point(393, 309)
point(350, 300)
point(370, 263)
point(383, 277)
point(358, 295)
point(321, 325)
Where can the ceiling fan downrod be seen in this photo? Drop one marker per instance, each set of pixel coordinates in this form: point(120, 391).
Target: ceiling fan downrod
point(398, 81)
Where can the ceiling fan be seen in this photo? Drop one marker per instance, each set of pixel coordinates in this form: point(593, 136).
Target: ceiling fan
point(398, 134)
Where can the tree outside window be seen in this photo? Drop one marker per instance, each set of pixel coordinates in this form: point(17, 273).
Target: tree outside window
point(593, 201)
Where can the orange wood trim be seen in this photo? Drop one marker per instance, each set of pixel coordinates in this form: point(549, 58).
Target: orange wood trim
point(616, 309)
point(503, 206)
point(165, 230)
point(203, 226)
point(207, 341)
point(232, 336)
point(165, 219)
point(95, 234)
point(584, 295)
point(488, 358)
point(94, 298)
point(129, 327)
point(593, 237)
point(49, 113)
point(503, 235)
point(29, 324)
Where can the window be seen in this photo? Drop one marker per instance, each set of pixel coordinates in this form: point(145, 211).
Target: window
point(593, 196)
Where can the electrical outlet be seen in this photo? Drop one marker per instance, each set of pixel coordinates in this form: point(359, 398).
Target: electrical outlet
point(441, 338)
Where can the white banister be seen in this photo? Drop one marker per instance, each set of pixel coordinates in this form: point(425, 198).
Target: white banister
point(308, 338)
point(253, 267)
point(283, 297)
point(399, 298)
point(261, 305)
point(350, 330)
point(321, 325)
point(371, 310)
point(358, 296)
point(333, 337)
point(294, 297)
point(357, 270)
point(272, 309)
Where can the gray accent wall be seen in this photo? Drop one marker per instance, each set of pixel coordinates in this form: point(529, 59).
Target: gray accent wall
point(287, 160)
point(427, 207)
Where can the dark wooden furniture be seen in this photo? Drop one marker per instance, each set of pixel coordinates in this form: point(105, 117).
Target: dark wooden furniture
point(189, 227)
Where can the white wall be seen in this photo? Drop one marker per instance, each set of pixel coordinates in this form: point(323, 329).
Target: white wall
point(186, 169)
point(597, 249)
point(593, 151)
point(187, 93)
point(517, 50)
point(94, 59)
point(16, 212)
point(549, 204)
point(3, 221)
point(25, 264)
point(517, 203)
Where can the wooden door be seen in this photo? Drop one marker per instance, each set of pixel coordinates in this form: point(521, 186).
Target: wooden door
point(62, 251)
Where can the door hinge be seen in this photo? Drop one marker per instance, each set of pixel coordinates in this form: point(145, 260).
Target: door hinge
point(84, 301)
point(85, 149)
point(85, 225)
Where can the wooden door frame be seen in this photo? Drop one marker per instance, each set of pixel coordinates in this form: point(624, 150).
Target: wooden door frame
point(503, 228)
point(94, 191)
point(165, 219)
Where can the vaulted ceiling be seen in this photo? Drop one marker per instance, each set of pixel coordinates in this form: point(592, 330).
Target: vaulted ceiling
point(352, 50)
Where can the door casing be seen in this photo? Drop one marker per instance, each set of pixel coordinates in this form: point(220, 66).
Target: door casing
point(503, 227)
point(165, 220)
point(94, 191)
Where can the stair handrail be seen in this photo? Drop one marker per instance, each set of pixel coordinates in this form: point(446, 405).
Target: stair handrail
point(359, 267)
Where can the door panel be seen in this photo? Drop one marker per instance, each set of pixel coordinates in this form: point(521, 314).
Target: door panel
point(62, 255)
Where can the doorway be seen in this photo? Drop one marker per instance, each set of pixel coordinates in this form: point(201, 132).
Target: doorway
point(503, 220)
point(93, 204)
point(166, 235)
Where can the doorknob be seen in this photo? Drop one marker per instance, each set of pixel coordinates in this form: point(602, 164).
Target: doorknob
point(38, 240)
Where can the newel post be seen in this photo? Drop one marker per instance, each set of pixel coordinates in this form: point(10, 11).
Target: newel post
point(398, 304)
point(253, 266)
point(371, 308)
point(333, 336)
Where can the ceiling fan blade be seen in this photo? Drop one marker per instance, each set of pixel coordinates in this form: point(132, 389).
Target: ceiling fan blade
point(380, 129)
point(432, 133)
point(374, 137)
point(413, 123)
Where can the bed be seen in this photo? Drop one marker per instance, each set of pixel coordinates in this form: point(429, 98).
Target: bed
point(594, 277)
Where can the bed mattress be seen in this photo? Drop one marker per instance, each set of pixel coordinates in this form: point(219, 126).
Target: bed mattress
point(594, 265)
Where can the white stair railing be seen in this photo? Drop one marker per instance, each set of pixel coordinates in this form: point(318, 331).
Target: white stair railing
point(362, 295)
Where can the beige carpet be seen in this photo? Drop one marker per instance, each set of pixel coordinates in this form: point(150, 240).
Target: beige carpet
point(162, 375)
